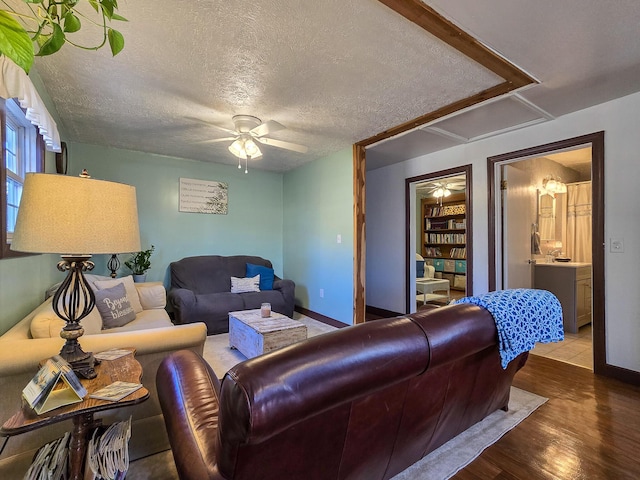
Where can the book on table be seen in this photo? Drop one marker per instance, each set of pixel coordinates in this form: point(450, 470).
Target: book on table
point(112, 354)
point(116, 391)
point(55, 385)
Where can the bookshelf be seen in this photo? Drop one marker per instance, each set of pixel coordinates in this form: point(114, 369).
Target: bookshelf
point(444, 238)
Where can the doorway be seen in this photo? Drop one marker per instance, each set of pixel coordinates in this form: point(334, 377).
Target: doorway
point(546, 238)
point(499, 269)
point(439, 240)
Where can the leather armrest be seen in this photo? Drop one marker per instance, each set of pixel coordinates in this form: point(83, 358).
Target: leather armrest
point(188, 391)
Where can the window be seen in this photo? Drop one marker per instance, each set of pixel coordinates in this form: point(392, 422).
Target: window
point(22, 152)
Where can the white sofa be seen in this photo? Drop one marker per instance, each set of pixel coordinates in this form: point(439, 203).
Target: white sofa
point(152, 335)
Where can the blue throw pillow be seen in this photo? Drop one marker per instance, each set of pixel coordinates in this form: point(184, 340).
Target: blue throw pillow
point(266, 275)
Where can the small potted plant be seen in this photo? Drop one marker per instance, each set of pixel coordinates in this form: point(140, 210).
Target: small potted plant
point(139, 264)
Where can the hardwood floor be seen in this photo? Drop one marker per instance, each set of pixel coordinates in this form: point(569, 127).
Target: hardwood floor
point(589, 429)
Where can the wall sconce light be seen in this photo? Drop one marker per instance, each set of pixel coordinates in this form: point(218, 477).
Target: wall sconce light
point(553, 185)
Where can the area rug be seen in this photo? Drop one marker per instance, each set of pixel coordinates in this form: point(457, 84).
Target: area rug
point(460, 451)
point(440, 464)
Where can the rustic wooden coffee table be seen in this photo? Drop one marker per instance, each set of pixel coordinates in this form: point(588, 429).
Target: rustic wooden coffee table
point(254, 335)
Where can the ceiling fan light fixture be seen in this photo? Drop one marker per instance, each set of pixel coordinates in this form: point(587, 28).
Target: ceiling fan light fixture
point(243, 148)
point(441, 192)
point(251, 149)
point(237, 148)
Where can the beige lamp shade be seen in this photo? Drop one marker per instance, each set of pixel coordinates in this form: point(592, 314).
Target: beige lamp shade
point(76, 216)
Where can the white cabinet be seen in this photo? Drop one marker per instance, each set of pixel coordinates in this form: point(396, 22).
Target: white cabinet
point(571, 283)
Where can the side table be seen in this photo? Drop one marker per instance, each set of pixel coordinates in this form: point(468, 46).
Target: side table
point(125, 368)
point(430, 285)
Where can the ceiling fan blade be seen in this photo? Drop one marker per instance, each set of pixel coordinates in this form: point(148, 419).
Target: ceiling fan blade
point(280, 144)
point(266, 128)
point(215, 140)
point(209, 124)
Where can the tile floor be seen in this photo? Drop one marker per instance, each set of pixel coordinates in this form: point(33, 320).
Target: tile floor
point(576, 348)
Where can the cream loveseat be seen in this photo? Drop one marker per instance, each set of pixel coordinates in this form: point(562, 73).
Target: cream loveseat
point(152, 335)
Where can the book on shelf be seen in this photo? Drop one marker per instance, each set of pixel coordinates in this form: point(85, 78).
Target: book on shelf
point(452, 224)
point(116, 391)
point(55, 385)
point(446, 238)
point(432, 252)
point(445, 210)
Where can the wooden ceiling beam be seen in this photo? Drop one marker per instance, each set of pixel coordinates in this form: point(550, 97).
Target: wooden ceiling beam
point(438, 26)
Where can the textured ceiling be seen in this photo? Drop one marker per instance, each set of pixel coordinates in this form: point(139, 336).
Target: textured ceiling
point(582, 53)
point(334, 73)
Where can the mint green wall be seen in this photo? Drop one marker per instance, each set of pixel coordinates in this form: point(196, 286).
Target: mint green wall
point(23, 282)
point(253, 225)
point(318, 206)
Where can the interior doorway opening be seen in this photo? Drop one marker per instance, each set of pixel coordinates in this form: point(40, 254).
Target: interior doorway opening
point(547, 241)
point(535, 255)
point(439, 265)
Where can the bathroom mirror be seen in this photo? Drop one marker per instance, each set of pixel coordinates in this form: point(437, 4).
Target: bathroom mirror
point(552, 213)
point(546, 216)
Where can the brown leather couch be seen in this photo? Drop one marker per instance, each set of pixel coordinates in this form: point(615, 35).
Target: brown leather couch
point(364, 402)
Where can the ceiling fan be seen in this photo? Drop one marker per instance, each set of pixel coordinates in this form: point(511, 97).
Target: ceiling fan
point(248, 131)
point(441, 190)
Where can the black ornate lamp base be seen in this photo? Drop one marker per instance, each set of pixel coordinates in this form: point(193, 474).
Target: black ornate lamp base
point(81, 362)
point(73, 301)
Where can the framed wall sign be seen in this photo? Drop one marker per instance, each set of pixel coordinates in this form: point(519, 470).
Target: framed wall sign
point(203, 196)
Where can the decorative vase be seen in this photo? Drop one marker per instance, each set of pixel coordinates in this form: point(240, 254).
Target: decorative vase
point(139, 278)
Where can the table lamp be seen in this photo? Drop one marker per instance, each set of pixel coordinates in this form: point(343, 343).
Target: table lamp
point(75, 217)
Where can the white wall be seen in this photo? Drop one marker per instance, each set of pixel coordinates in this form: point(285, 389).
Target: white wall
point(618, 119)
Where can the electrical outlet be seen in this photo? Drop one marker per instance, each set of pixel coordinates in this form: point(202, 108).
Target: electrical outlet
point(339, 239)
point(322, 293)
point(617, 245)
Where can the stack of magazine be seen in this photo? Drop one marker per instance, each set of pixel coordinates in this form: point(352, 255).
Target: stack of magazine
point(50, 461)
point(108, 452)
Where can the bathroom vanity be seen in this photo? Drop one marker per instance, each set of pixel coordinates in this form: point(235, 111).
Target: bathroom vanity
point(571, 283)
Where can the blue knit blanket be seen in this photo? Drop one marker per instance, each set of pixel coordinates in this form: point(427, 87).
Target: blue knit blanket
point(523, 317)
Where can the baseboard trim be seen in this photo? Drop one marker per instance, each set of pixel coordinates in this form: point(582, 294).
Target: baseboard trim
point(319, 317)
point(619, 373)
point(381, 312)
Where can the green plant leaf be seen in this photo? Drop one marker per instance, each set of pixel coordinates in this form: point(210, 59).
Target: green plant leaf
point(41, 39)
point(53, 11)
point(107, 8)
point(71, 23)
point(15, 42)
point(115, 16)
point(95, 5)
point(116, 41)
point(54, 43)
